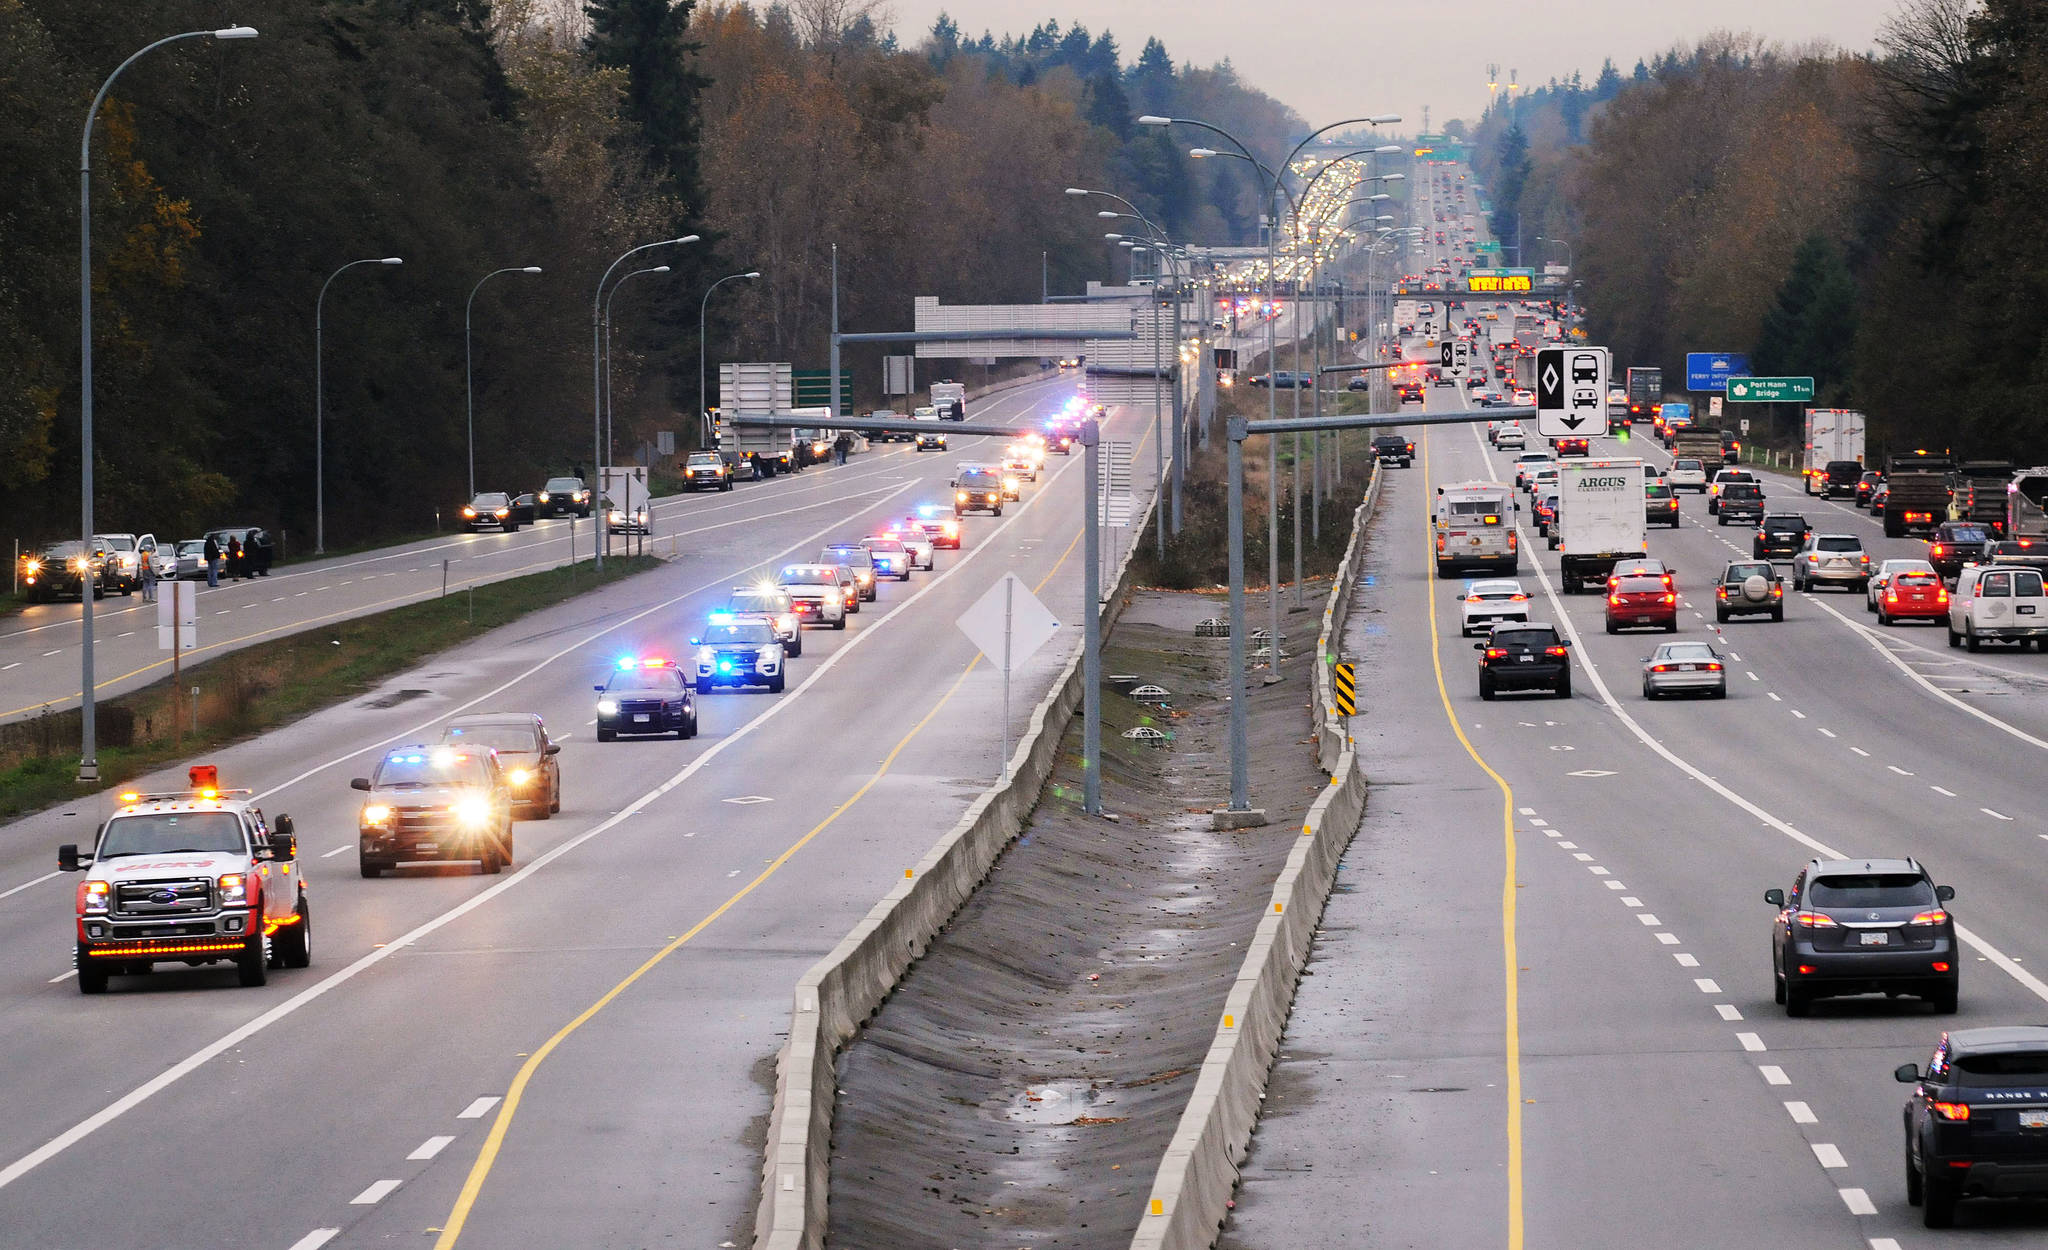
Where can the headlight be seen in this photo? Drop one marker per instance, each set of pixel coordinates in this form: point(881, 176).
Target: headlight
point(469, 512)
point(961, 496)
point(234, 890)
point(543, 496)
point(474, 810)
point(607, 707)
point(376, 814)
point(520, 776)
point(503, 513)
point(32, 567)
point(706, 655)
point(92, 896)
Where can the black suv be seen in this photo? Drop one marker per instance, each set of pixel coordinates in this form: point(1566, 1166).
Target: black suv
point(1393, 449)
point(1841, 477)
point(1863, 926)
point(563, 496)
point(1739, 501)
point(645, 697)
point(978, 490)
point(1977, 1125)
point(1524, 657)
point(1956, 543)
point(1780, 534)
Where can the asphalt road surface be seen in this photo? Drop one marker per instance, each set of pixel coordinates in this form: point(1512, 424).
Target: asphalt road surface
point(1541, 1012)
point(577, 1052)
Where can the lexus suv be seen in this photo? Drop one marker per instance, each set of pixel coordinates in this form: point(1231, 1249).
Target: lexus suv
point(1835, 558)
point(1977, 1122)
point(1524, 657)
point(1863, 926)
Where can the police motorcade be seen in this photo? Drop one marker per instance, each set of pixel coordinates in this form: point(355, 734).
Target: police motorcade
point(434, 803)
point(814, 590)
point(891, 557)
point(193, 876)
point(977, 490)
point(645, 695)
point(914, 537)
point(1977, 1122)
point(857, 558)
point(531, 760)
point(743, 653)
point(766, 602)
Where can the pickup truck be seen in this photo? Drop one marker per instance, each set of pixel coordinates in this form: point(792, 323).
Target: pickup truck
point(1393, 449)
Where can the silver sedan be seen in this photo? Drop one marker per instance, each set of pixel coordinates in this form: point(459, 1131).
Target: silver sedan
point(1685, 668)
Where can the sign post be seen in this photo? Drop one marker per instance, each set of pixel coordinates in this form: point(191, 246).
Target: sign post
point(1743, 390)
point(1008, 624)
point(177, 631)
point(1571, 392)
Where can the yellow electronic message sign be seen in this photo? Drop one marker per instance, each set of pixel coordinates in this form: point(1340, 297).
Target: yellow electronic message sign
point(1498, 282)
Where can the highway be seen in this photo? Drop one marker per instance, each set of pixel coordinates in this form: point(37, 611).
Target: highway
point(577, 1052)
point(1542, 1005)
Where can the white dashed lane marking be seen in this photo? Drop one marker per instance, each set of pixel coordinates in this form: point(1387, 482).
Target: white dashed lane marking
point(1799, 1111)
point(1858, 1202)
point(477, 1109)
point(1829, 1154)
point(1900, 771)
point(1945, 793)
point(1707, 985)
point(1773, 696)
point(1750, 1041)
point(1995, 815)
point(1860, 751)
point(376, 1193)
point(1691, 961)
point(316, 1239)
point(430, 1147)
point(1729, 1011)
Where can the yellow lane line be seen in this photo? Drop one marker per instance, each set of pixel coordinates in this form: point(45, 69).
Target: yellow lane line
point(1509, 955)
point(487, 1158)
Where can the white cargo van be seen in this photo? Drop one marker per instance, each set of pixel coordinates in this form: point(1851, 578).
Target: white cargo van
point(1475, 528)
point(1600, 519)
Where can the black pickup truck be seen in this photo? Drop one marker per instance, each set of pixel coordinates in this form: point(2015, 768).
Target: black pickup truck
point(1393, 449)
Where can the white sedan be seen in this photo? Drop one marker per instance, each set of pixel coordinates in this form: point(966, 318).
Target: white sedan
point(1885, 572)
point(1486, 602)
point(1685, 668)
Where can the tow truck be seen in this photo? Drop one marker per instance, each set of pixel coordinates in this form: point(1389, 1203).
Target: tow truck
point(193, 876)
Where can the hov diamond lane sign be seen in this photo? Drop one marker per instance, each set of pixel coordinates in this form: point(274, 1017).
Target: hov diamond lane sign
point(1770, 390)
point(1571, 392)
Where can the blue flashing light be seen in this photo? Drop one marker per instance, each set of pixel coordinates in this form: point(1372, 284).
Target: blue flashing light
point(626, 662)
point(725, 666)
point(721, 618)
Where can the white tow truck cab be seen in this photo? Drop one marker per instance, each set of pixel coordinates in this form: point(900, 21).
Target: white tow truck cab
point(191, 876)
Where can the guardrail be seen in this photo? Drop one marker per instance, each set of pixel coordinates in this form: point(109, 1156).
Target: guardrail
point(844, 988)
point(1191, 1190)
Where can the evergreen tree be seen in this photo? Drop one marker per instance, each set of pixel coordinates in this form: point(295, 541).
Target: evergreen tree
point(1108, 107)
point(1810, 327)
point(1608, 84)
point(649, 39)
point(1151, 81)
point(944, 42)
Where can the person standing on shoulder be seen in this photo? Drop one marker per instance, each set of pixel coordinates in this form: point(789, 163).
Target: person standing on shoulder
point(148, 575)
point(211, 554)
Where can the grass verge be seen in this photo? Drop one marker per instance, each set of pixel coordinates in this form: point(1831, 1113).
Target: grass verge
point(257, 688)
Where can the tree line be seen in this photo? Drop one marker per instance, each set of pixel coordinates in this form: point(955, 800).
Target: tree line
point(231, 179)
point(1866, 219)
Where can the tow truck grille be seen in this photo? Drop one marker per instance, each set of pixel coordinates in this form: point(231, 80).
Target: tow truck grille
point(184, 897)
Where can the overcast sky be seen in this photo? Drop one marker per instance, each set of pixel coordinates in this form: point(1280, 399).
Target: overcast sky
point(1332, 59)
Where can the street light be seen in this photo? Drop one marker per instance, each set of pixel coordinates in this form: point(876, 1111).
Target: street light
point(611, 451)
point(468, 384)
point(88, 755)
point(320, 399)
point(703, 408)
point(597, 387)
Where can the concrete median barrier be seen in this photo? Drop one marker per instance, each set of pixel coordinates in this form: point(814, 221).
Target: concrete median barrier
point(844, 988)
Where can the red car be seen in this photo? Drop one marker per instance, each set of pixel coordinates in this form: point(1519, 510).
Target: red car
point(1641, 602)
point(1571, 446)
point(1913, 596)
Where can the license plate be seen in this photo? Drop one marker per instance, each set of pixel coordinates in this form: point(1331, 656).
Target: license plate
point(1876, 939)
point(1525, 659)
point(426, 846)
point(2034, 1119)
point(640, 718)
point(2024, 609)
point(159, 933)
point(1642, 620)
point(1685, 668)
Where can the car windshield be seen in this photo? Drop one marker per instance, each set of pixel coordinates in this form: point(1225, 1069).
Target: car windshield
point(2004, 1068)
point(562, 484)
point(1656, 490)
point(1870, 889)
point(663, 680)
point(1692, 465)
point(512, 736)
point(1838, 544)
point(978, 481)
point(1742, 490)
point(62, 551)
point(855, 556)
point(881, 544)
point(1479, 508)
point(755, 601)
point(1687, 652)
point(1743, 572)
point(413, 769)
point(743, 633)
point(809, 577)
point(1495, 590)
point(1784, 522)
point(117, 542)
point(704, 458)
point(1640, 586)
point(1967, 534)
point(164, 833)
point(491, 499)
point(1916, 577)
point(1524, 638)
point(192, 547)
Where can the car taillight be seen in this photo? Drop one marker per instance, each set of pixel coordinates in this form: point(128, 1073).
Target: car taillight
point(1496, 653)
point(1937, 916)
point(1660, 668)
point(1712, 667)
point(1957, 1111)
point(1814, 920)
point(1671, 598)
point(1936, 550)
point(1557, 651)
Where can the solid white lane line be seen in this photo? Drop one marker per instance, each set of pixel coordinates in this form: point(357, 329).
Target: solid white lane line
point(1946, 793)
point(1729, 1011)
point(1750, 1041)
point(1707, 985)
point(431, 1147)
point(26, 884)
point(477, 1109)
point(1998, 815)
point(1858, 1202)
point(375, 1194)
point(1829, 1155)
point(316, 1239)
point(1801, 1113)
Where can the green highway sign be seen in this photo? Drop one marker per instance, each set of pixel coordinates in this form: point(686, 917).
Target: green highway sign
point(812, 388)
point(1770, 390)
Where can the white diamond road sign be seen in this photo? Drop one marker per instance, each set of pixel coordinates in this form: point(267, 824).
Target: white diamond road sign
point(1008, 623)
point(1454, 359)
point(1571, 392)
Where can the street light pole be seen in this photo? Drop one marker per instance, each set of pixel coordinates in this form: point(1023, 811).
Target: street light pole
point(320, 398)
point(611, 451)
point(88, 755)
point(468, 360)
point(703, 306)
point(597, 384)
